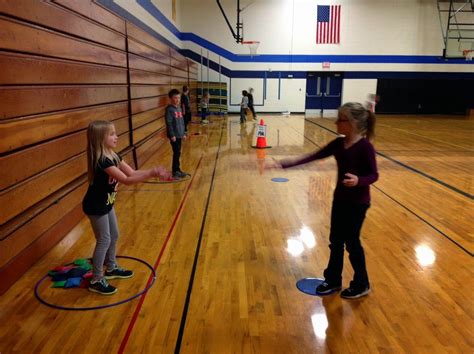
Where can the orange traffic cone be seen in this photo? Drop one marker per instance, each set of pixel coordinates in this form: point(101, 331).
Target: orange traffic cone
point(262, 136)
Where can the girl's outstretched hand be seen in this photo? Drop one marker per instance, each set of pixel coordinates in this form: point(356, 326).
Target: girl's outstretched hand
point(350, 180)
point(161, 172)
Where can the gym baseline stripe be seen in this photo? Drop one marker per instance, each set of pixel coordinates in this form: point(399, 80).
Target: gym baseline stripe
point(131, 325)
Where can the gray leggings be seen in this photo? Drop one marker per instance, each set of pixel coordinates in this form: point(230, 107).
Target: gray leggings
point(106, 234)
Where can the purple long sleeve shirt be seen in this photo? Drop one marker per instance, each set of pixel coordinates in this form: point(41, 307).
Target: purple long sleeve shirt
point(358, 159)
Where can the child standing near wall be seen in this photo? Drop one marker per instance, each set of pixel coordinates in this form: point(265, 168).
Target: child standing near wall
point(244, 105)
point(105, 170)
point(204, 107)
point(186, 107)
point(175, 131)
point(357, 170)
point(251, 107)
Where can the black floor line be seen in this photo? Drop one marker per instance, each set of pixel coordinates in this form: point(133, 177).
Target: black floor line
point(426, 222)
point(434, 179)
point(184, 315)
point(406, 208)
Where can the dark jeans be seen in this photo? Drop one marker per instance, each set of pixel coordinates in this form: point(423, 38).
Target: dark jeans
point(252, 109)
point(176, 146)
point(203, 113)
point(243, 115)
point(187, 119)
point(346, 223)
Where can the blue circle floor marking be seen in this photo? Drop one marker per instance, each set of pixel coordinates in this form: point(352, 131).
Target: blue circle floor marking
point(280, 179)
point(309, 285)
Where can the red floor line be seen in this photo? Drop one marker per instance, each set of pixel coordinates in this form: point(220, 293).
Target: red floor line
point(168, 236)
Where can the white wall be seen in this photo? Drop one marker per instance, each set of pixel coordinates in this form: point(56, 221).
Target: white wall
point(357, 90)
point(143, 15)
point(368, 27)
point(292, 94)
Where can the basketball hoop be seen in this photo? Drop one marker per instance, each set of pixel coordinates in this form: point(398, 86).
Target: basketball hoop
point(253, 46)
point(468, 54)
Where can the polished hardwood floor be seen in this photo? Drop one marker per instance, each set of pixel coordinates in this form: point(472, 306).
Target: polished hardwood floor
point(228, 246)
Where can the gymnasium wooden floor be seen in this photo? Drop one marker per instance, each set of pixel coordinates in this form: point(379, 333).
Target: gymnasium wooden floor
point(229, 245)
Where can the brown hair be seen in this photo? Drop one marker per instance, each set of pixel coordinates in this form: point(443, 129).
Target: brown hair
point(172, 93)
point(363, 117)
point(96, 133)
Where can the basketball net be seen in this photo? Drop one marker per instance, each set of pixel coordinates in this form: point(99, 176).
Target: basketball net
point(253, 46)
point(468, 54)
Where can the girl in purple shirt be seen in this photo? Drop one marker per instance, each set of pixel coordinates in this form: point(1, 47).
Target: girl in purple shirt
point(357, 170)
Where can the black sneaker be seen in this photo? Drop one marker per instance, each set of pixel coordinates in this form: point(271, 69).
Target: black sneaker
point(185, 173)
point(118, 273)
point(102, 287)
point(353, 293)
point(180, 174)
point(325, 288)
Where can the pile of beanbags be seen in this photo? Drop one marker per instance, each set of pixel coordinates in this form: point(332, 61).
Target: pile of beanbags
point(73, 275)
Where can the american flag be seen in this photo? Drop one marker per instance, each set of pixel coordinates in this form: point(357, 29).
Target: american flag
point(328, 24)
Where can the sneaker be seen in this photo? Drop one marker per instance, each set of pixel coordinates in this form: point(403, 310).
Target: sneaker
point(185, 173)
point(102, 287)
point(353, 293)
point(325, 288)
point(118, 273)
point(179, 174)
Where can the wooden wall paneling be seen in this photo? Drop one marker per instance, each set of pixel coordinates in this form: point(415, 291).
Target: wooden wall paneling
point(193, 96)
point(150, 146)
point(146, 130)
point(16, 133)
point(179, 73)
point(58, 18)
point(180, 60)
point(127, 156)
point(178, 82)
point(148, 52)
point(22, 262)
point(40, 70)
point(13, 243)
point(21, 196)
point(24, 37)
point(121, 125)
point(123, 142)
point(25, 163)
point(146, 117)
point(18, 101)
point(95, 12)
point(138, 91)
point(180, 64)
point(136, 62)
point(145, 77)
point(193, 67)
point(144, 37)
point(79, 47)
point(36, 210)
point(146, 104)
